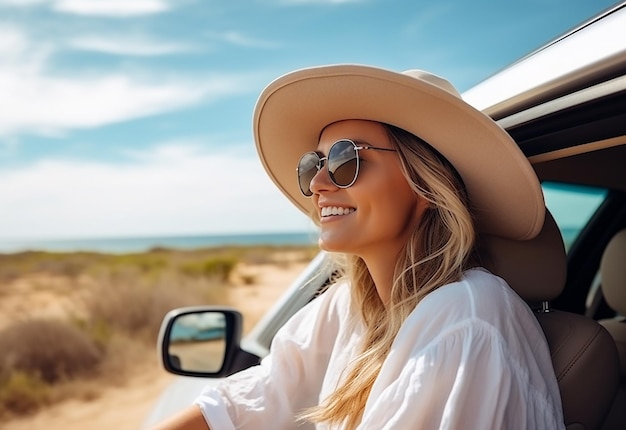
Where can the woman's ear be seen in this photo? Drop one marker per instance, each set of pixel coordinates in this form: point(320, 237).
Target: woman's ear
point(421, 206)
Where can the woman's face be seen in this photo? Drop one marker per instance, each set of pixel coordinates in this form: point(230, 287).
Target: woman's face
point(379, 211)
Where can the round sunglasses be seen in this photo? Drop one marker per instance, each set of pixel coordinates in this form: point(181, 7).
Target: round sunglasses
point(343, 165)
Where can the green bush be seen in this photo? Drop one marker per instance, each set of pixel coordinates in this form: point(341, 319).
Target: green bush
point(98, 330)
point(21, 393)
point(219, 267)
point(144, 262)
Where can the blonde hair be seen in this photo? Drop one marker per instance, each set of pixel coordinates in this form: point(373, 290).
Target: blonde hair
point(439, 249)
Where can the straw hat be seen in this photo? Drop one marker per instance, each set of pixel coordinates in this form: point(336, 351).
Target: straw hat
point(292, 111)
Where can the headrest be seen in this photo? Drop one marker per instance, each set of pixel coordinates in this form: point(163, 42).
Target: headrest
point(536, 269)
point(613, 273)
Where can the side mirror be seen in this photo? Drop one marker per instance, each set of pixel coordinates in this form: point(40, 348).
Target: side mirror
point(203, 341)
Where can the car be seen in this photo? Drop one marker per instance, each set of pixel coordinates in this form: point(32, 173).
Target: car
point(565, 106)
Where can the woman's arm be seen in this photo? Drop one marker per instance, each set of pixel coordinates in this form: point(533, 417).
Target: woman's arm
point(189, 419)
point(287, 381)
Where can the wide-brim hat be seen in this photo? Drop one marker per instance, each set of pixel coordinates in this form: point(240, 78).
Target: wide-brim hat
point(290, 114)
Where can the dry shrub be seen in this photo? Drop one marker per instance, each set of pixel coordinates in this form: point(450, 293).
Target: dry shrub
point(36, 354)
point(278, 254)
point(62, 264)
point(125, 356)
point(50, 349)
point(248, 279)
point(136, 308)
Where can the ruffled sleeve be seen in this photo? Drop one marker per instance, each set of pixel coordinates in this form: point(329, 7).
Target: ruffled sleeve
point(288, 379)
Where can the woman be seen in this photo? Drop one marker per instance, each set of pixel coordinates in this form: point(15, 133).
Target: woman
point(402, 176)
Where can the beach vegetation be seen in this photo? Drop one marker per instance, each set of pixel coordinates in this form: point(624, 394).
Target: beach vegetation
point(21, 393)
point(220, 267)
point(112, 308)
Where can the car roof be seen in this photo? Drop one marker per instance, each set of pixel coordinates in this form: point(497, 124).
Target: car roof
point(564, 103)
point(593, 52)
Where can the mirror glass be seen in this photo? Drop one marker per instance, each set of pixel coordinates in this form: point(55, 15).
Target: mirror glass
point(197, 342)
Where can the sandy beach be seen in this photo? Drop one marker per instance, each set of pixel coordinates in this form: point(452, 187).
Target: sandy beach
point(125, 405)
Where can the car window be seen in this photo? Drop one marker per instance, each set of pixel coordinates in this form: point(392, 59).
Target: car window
point(572, 206)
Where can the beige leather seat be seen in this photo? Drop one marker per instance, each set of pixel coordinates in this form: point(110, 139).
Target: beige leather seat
point(613, 277)
point(583, 353)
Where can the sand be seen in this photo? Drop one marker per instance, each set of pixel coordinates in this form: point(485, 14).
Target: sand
point(127, 406)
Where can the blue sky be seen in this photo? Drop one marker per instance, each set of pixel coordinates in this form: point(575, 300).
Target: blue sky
point(133, 117)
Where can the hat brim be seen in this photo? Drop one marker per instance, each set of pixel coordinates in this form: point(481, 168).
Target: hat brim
point(292, 111)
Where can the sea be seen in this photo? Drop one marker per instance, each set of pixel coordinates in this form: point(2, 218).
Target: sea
point(123, 245)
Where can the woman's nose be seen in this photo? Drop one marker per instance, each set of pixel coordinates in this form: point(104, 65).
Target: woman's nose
point(321, 181)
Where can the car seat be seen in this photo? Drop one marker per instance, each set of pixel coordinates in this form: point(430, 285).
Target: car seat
point(613, 278)
point(583, 353)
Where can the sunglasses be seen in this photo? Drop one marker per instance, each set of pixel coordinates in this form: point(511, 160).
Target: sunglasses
point(343, 165)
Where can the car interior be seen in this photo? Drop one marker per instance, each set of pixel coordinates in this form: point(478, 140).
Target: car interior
point(614, 292)
point(594, 285)
point(583, 354)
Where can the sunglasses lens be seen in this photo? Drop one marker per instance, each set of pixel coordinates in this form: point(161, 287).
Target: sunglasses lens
point(307, 169)
point(343, 166)
point(343, 163)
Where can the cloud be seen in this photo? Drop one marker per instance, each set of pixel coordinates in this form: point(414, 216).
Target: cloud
point(127, 45)
point(22, 3)
point(16, 48)
point(174, 189)
point(111, 8)
point(300, 2)
point(52, 105)
point(239, 39)
point(316, 2)
point(424, 18)
point(104, 8)
point(34, 101)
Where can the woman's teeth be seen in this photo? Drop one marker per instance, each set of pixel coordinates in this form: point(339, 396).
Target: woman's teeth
point(335, 210)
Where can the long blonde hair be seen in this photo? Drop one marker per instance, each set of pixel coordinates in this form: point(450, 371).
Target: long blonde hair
point(439, 249)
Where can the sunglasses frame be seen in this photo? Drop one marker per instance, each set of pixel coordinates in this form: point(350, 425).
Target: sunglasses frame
point(321, 161)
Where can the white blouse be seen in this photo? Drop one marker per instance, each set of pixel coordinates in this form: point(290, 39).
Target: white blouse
point(470, 356)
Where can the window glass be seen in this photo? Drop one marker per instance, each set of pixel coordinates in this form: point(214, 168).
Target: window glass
point(572, 206)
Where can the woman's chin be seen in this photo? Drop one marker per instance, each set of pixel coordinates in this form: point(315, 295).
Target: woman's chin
point(331, 244)
point(334, 243)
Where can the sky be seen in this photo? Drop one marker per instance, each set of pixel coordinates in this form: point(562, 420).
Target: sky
point(134, 117)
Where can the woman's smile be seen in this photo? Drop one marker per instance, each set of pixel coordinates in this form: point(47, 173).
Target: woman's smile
point(332, 211)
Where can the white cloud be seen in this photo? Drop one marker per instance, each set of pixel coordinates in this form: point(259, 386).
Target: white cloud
point(299, 2)
point(22, 3)
point(52, 105)
point(423, 18)
point(112, 8)
point(126, 45)
point(109, 8)
point(239, 39)
point(172, 190)
point(37, 102)
point(16, 49)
